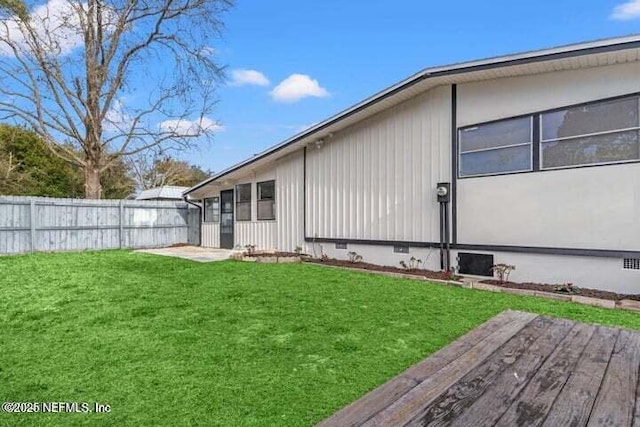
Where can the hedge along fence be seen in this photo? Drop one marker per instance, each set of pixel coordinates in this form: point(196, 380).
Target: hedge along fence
point(32, 224)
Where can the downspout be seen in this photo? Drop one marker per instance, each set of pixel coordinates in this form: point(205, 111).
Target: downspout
point(199, 207)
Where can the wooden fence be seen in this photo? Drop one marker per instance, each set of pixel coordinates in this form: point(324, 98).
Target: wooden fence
point(32, 224)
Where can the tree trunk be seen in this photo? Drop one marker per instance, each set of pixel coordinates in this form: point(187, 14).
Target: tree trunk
point(92, 186)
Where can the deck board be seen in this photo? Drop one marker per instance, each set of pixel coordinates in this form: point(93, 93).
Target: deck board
point(378, 399)
point(535, 401)
point(517, 369)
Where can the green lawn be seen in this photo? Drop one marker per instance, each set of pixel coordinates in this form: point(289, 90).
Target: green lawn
point(166, 341)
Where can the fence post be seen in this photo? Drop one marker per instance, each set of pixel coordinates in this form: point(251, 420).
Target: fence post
point(120, 223)
point(32, 223)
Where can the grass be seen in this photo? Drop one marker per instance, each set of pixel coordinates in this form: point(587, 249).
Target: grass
point(166, 341)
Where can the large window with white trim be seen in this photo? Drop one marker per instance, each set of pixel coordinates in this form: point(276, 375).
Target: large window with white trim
point(499, 147)
point(596, 133)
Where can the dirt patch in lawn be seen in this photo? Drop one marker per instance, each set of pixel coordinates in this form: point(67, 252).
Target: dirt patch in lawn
point(440, 275)
point(544, 287)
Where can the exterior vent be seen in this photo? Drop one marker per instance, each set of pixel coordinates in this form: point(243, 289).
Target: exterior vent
point(341, 246)
point(631, 264)
point(401, 249)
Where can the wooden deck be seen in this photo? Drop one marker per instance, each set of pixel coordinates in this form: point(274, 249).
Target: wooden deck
point(517, 369)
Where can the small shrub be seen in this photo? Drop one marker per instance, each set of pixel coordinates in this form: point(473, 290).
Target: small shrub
point(324, 257)
point(449, 275)
point(298, 250)
point(567, 288)
point(414, 264)
point(250, 249)
point(503, 271)
point(354, 257)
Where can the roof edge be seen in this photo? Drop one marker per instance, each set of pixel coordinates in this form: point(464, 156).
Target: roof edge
point(540, 55)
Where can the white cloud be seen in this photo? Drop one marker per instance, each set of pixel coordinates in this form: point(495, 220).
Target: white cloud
point(56, 18)
point(243, 77)
point(191, 127)
point(207, 51)
point(116, 118)
point(298, 86)
point(626, 11)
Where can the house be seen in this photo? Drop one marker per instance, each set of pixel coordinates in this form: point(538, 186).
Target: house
point(165, 192)
point(530, 159)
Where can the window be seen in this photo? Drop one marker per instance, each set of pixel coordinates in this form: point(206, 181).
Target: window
point(212, 209)
point(495, 148)
point(602, 132)
point(401, 249)
point(243, 202)
point(267, 200)
point(631, 264)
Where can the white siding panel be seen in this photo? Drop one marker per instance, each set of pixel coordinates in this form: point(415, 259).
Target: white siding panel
point(262, 234)
point(210, 235)
point(494, 99)
point(376, 180)
point(589, 208)
point(289, 202)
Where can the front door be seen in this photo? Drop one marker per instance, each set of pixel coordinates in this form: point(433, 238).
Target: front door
point(226, 219)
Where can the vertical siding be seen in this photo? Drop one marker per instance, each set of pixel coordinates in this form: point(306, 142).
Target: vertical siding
point(376, 180)
point(289, 202)
point(211, 235)
point(262, 234)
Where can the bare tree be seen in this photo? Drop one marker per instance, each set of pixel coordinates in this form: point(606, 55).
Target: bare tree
point(152, 169)
point(102, 80)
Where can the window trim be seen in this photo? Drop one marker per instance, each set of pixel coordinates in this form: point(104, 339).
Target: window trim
point(482, 150)
point(258, 200)
point(238, 202)
point(537, 136)
point(204, 212)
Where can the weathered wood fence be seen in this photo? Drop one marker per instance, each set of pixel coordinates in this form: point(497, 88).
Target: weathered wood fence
point(31, 224)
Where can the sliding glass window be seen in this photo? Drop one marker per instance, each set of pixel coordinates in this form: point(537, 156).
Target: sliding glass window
point(212, 209)
point(266, 200)
point(496, 148)
point(243, 202)
point(597, 133)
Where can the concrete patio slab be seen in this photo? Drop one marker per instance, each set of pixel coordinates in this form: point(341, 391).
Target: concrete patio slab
point(193, 253)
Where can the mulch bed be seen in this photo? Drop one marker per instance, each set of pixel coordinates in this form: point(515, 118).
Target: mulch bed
point(440, 275)
point(544, 287)
point(272, 254)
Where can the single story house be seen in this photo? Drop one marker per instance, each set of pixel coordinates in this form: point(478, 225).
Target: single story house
point(531, 159)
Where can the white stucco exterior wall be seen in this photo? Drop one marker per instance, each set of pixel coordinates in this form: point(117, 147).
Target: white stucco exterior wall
point(584, 208)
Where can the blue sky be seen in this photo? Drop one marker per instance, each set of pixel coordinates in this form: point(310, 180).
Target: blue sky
point(355, 48)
